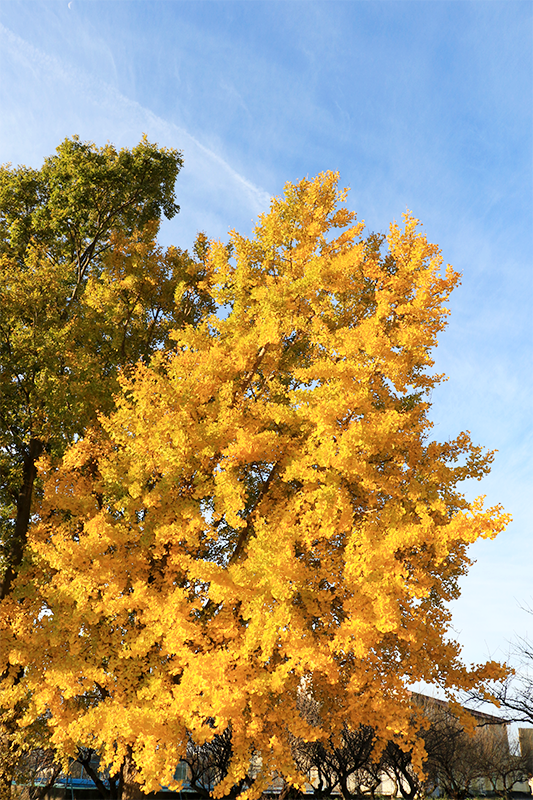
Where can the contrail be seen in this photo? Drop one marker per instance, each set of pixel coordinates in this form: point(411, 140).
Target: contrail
point(105, 96)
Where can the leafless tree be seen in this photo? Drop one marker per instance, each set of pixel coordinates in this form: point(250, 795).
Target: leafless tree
point(456, 760)
point(515, 698)
point(397, 764)
point(37, 771)
point(208, 765)
point(515, 695)
point(502, 764)
point(344, 765)
point(453, 758)
point(450, 762)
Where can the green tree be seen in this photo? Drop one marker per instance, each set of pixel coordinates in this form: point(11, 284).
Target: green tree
point(85, 292)
point(56, 225)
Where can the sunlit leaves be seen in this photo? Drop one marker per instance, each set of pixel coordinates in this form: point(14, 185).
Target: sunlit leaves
point(266, 509)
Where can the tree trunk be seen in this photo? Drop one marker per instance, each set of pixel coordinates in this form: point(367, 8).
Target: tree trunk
point(40, 792)
point(131, 789)
point(23, 516)
point(8, 758)
point(94, 775)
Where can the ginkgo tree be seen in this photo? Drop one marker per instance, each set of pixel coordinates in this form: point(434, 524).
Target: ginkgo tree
point(264, 516)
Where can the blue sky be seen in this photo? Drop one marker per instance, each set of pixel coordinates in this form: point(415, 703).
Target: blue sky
point(425, 105)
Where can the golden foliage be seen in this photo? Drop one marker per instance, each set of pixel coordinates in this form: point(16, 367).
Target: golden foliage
point(268, 513)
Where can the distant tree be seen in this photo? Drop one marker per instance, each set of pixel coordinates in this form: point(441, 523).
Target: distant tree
point(502, 764)
point(38, 771)
point(460, 749)
point(525, 740)
point(397, 764)
point(343, 766)
point(208, 765)
point(515, 697)
point(455, 747)
point(515, 694)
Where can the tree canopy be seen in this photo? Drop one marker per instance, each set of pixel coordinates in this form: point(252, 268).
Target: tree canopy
point(263, 514)
point(85, 292)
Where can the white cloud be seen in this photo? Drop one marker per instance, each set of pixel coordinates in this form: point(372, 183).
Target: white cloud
point(45, 99)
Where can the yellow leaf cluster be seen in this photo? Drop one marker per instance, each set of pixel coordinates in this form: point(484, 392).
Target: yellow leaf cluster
point(266, 512)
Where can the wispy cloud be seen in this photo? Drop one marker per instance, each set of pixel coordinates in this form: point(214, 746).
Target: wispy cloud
point(62, 99)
